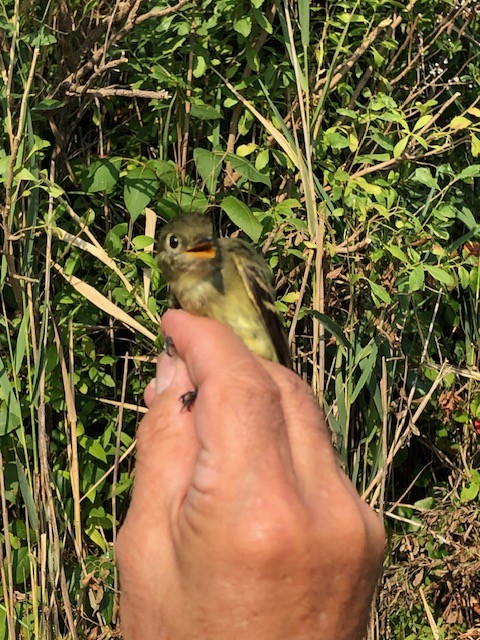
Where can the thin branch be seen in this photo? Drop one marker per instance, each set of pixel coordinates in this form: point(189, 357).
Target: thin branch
point(131, 21)
point(345, 67)
point(15, 147)
point(160, 13)
point(107, 92)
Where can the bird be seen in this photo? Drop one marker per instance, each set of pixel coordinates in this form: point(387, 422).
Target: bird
point(225, 279)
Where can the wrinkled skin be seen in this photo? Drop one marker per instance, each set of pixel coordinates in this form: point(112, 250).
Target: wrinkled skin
point(241, 524)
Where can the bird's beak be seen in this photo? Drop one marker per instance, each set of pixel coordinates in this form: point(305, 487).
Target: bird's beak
point(203, 249)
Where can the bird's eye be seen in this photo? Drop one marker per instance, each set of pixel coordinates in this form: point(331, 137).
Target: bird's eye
point(173, 241)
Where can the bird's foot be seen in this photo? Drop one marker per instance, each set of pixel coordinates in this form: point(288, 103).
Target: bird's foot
point(169, 346)
point(188, 400)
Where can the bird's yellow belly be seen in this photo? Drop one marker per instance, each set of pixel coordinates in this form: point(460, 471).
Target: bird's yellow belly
point(250, 328)
point(234, 309)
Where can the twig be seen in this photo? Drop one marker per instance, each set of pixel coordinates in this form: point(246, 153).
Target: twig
point(434, 38)
point(345, 67)
point(188, 105)
point(71, 433)
point(159, 13)
point(15, 147)
point(442, 109)
point(132, 20)
point(7, 585)
point(352, 248)
point(298, 306)
point(106, 92)
point(231, 176)
point(118, 442)
point(124, 455)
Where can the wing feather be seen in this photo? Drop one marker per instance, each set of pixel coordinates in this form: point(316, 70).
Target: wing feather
point(255, 275)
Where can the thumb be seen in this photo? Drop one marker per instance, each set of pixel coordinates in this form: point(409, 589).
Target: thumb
point(166, 441)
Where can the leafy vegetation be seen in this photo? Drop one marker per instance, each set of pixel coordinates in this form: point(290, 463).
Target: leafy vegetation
point(343, 139)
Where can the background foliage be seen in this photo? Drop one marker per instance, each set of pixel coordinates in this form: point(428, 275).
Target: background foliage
point(344, 139)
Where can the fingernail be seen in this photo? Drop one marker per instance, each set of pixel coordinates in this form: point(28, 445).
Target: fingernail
point(166, 367)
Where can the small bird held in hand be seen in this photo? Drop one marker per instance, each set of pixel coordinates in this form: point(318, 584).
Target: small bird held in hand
point(225, 279)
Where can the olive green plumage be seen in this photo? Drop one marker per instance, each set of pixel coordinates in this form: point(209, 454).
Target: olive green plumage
point(225, 279)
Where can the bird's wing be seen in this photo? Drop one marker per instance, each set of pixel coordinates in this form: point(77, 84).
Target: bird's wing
point(255, 275)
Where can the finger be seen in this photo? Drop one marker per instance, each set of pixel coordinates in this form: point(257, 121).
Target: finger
point(150, 392)
point(239, 417)
point(166, 441)
point(166, 369)
point(310, 444)
point(208, 347)
point(314, 457)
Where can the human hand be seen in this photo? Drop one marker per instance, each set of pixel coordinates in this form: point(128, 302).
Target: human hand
point(241, 524)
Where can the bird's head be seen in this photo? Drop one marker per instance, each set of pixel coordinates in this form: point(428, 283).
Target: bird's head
point(187, 244)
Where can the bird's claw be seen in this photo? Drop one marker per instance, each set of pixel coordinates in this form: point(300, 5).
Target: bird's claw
point(188, 400)
point(169, 346)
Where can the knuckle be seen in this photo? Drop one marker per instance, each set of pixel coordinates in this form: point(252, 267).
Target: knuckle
point(245, 384)
point(272, 532)
point(349, 533)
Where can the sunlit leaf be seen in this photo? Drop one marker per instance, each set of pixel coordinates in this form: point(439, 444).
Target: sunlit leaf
point(242, 216)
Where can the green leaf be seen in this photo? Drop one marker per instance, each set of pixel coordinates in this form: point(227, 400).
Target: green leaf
point(336, 140)
point(463, 276)
point(252, 58)
point(304, 20)
point(20, 348)
point(422, 121)
point(262, 159)
point(10, 412)
point(397, 253)
point(140, 242)
point(243, 26)
point(242, 216)
point(331, 326)
point(475, 145)
point(247, 170)
point(416, 279)
point(367, 365)
point(244, 150)
point(467, 217)
point(147, 259)
point(96, 450)
point(101, 175)
point(379, 294)
point(190, 200)
point(141, 184)
point(368, 187)
point(209, 164)
point(424, 176)
point(48, 104)
point(460, 122)
point(167, 172)
point(25, 174)
point(469, 492)
point(21, 566)
point(205, 112)
point(26, 494)
point(440, 275)
point(260, 17)
point(400, 147)
point(97, 538)
point(200, 65)
point(473, 171)
point(41, 39)
point(425, 503)
point(113, 240)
